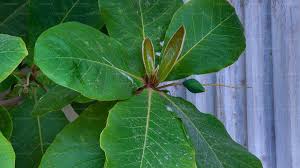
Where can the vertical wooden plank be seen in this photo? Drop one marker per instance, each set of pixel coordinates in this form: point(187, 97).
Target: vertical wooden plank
point(286, 60)
point(261, 137)
point(231, 103)
point(205, 102)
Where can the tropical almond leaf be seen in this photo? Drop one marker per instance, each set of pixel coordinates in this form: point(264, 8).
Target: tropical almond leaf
point(214, 146)
point(12, 52)
point(171, 53)
point(13, 17)
point(54, 100)
point(214, 37)
point(148, 56)
point(193, 86)
point(6, 125)
point(32, 135)
point(56, 12)
point(7, 154)
point(83, 59)
point(78, 143)
point(141, 132)
point(131, 21)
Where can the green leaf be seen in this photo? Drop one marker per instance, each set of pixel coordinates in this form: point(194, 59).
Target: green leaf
point(58, 11)
point(7, 154)
point(83, 59)
point(54, 100)
point(148, 56)
point(214, 37)
point(131, 21)
point(32, 135)
point(82, 99)
point(171, 53)
point(6, 125)
point(141, 132)
point(12, 52)
point(7, 83)
point(13, 17)
point(77, 145)
point(193, 86)
point(214, 147)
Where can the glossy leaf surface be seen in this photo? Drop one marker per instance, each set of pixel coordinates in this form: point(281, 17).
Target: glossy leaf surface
point(214, 147)
point(32, 135)
point(82, 58)
point(77, 145)
point(214, 38)
point(131, 21)
point(6, 125)
point(148, 56)
point(141, 132)
point(7, 154)
point(171, 53)
point(12, 52)
point(54, 100)
point(193, 86)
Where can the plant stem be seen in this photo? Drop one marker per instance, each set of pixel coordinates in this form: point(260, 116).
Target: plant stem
point(11, 102)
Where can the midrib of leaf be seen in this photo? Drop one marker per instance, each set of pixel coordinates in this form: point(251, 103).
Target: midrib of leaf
point(203, 38)
point(69, 11)
point(142, 19)
point(147, 126)
point(178, 108)
point(12, 14)
point(96, 62)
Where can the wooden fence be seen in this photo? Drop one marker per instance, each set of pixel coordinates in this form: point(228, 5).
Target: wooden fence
point(265, 117)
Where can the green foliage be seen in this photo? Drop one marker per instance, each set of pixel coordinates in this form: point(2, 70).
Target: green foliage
point(193, 86)
point(12, 52)
point(136, 124)
point(58, 96)
point(7, 155)
point(6, 125)
point(141, 132)
point(32, 135)
point(78, 143)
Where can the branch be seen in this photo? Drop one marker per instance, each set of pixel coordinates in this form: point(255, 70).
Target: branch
point(11, 102)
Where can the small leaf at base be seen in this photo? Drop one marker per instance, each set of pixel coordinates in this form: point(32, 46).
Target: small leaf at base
point(193, 86)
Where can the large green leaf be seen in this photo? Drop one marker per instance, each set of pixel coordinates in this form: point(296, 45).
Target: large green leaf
point(6, 125)
point(47, 13)
point(214, 147)
point(141, 132)
point(54, 100)
point(131, 21)
point(13, 17)
point(214, 37)
point(7, 155)
point(12, 52)
point(82, 58)
point(32, 135)
point(77, 145)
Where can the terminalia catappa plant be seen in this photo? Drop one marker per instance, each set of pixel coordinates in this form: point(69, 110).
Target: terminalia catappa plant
point(109, 67)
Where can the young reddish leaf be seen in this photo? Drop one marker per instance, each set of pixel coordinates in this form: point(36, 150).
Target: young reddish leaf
point(171, 53)
point(148, 56)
